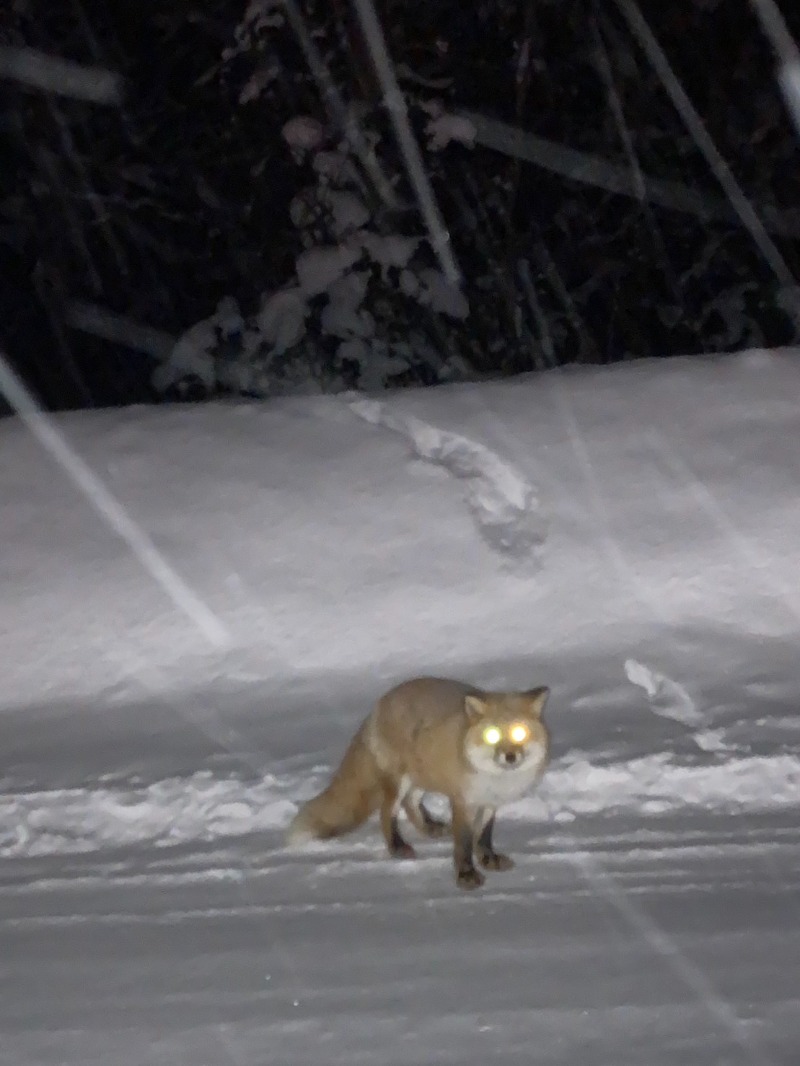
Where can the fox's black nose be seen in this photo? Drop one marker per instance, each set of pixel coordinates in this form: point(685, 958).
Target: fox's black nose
point(511, 757)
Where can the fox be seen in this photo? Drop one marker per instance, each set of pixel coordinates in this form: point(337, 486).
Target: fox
point(480, 749)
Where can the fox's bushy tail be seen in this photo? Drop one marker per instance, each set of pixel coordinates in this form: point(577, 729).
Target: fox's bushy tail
point(353, 794)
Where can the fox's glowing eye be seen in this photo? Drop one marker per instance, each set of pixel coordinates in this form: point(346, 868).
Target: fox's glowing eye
point(491, 734)
point(519, 733)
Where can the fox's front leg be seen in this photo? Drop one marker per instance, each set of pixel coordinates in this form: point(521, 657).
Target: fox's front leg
point(463, 836)
point(487, 856)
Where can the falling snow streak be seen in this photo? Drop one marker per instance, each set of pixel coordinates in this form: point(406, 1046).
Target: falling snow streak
point(49, 74)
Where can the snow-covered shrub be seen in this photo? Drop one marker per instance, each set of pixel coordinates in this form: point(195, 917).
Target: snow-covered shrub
point(366, 305)
point(357, 311)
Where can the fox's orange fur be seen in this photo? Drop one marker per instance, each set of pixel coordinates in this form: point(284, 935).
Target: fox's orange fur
point(479, 749)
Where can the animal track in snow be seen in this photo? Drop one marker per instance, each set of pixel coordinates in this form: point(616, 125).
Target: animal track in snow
point(503, 503)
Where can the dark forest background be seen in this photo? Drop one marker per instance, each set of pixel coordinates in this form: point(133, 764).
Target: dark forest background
point(195, 209)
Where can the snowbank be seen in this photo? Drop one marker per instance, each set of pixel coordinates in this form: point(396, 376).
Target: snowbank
point(425, 530)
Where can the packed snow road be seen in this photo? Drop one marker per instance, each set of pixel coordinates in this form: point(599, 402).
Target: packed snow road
point(669, 940)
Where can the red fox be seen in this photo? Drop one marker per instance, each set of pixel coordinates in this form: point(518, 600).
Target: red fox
point(479, 749)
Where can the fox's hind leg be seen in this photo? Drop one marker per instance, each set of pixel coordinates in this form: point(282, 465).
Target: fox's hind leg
point(392, 802)
point(487, 856)
point(421, 818)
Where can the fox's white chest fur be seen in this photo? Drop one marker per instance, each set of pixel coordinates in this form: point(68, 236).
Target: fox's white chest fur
point(490, 785)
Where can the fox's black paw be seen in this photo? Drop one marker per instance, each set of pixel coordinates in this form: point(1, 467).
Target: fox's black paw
point(492, 860)
point(403, 851)
point(468, 877)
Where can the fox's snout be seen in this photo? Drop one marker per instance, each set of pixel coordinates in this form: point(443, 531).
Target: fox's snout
point(509, 757)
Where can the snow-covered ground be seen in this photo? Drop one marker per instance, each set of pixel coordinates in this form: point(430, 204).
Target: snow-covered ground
point(629, 536)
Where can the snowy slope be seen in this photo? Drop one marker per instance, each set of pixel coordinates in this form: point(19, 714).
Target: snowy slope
point(627, 535)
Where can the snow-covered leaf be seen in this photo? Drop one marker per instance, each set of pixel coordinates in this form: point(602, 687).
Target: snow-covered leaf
point(282, 319)
point(391, 250)
point(303, 133)
point(348, 210)
point(342, 317)
point(440, 295)
point(443, 129)
point(318, 268)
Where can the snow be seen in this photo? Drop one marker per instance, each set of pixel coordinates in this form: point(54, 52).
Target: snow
point(348, 212)
point(303, 132)
point(343, 316)
point(442, 295)
point(390, 250)
point(281, 320)
point(193, 352)
point(319, 268)
point(626, 535)
point(442, 129)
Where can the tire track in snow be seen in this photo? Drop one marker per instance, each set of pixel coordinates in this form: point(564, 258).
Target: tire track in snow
point(504, 504)
point(207, 807)
point(667, 947)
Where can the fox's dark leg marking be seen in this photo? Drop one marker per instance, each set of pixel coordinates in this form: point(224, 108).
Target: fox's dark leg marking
point(400, 848)
point(412, 809)
point(434, 827)
point(487, 856)
point(390, 809)
point(466, 874)
point(422, 819)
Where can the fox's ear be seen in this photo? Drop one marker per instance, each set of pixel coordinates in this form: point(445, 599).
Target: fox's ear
point(475, 707)
point(537, 698)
